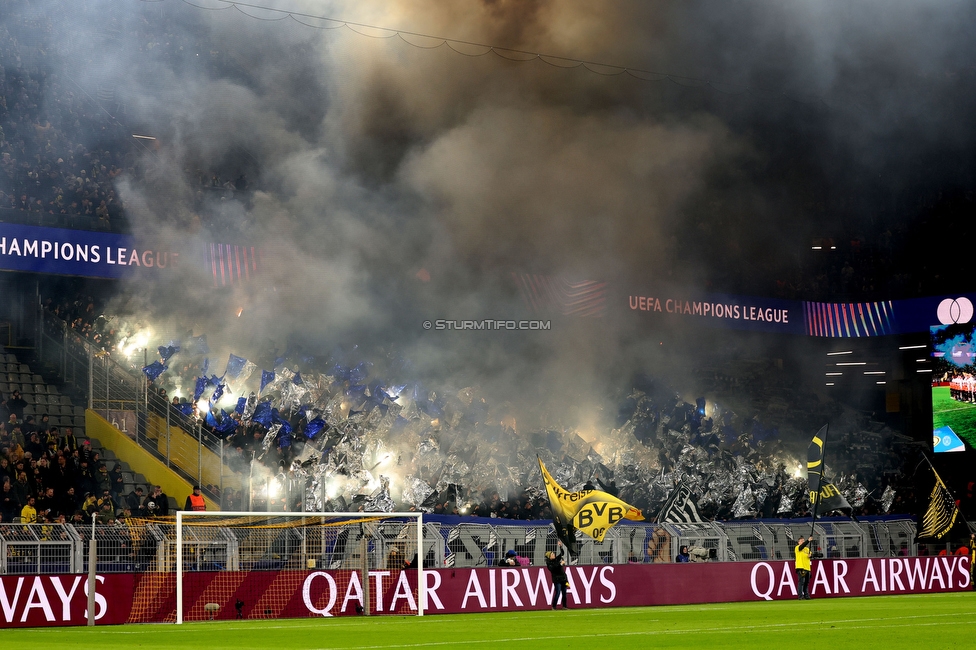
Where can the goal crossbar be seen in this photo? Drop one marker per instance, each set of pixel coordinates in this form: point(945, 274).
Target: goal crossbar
point(335, 519)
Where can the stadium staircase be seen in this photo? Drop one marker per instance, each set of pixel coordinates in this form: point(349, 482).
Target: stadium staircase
point(158, 443)
point(43, 397)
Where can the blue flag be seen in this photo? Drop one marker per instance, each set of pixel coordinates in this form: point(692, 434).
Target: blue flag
point(217, 394)
point(226, 427)
point(314, 428)
point(186, 408)
point(200, 387)
point(360, 372)
point(284, 438)
point(241, 404)
point(266, 378)
point(297, 379)
point(262, 414)
point(235, 365)
point(206, 367)
point(277, 419)
point(166, 352)
point(154, 370)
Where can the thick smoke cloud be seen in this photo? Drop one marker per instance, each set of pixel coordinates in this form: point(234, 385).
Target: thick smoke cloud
point(375, 161)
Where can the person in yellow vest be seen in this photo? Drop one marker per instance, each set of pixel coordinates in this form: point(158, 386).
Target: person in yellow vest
point(195, 501)
point(802, 555)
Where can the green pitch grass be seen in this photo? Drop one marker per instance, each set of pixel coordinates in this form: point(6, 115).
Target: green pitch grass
point(925, 621)
point(960, 416)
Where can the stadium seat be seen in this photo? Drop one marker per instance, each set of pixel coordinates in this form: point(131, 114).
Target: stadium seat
point(78, 421)
point(66, 401)
point(79, 410)
point(29, 399)
point(29, 409)
point(4, 387)
point(37, 379)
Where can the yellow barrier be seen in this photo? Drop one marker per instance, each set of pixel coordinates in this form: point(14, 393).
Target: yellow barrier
point(184, 452)
point(139, 459)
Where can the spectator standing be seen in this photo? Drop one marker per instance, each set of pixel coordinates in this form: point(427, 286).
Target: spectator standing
point(9, 505)
point(28, 514)
point(557, 570)
point(157, 503)
point(134, 502)
point(16, 404)
point(195, 501)
point(802, 555)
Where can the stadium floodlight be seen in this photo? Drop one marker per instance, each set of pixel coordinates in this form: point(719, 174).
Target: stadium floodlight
point(295, 564)
point(834, 354)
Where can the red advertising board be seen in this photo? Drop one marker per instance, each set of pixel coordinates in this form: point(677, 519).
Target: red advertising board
point(150, 597)
point(58, 600)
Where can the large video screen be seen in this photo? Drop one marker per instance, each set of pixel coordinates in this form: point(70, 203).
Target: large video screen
point(954, 387)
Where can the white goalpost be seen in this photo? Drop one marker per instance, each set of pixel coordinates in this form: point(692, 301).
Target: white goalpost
point(295, 564)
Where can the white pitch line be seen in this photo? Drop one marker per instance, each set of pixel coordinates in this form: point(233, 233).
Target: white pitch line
point(778, 627)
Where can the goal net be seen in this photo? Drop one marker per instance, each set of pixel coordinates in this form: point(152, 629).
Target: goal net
point(245, 565)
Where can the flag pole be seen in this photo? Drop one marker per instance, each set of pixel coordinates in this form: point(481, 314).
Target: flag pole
point(951, 495)
point(820, 473)
point(552, 508)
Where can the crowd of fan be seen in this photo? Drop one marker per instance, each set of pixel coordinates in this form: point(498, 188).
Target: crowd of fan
point(60, 157)
point(62, 147)
point(59, 153)
point(49, 475)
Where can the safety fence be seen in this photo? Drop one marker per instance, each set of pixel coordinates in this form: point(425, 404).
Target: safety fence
point(148, 545)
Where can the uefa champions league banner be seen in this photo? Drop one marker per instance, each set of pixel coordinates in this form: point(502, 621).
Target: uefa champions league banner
point(78, 252)
point(58, 600)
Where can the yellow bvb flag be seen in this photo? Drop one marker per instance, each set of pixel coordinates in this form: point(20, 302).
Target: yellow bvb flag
point(941, 514)
point(592, 511)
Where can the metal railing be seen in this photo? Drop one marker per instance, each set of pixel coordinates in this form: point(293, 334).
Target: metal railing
point(35, 549)
point(123, 397)
point(148, 545)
